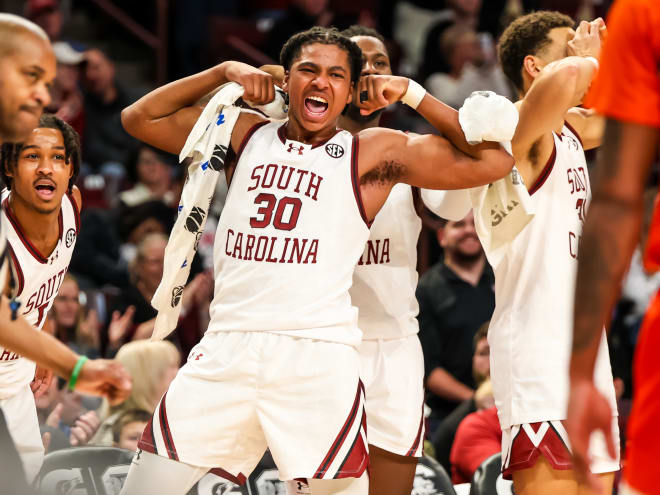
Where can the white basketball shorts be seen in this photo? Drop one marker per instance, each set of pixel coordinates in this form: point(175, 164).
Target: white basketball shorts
point(392, 372)
point(241, 392)
point(21, 415)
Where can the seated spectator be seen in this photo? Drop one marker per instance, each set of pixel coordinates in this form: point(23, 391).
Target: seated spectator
point(128, 428)
point(134, 316)
point(478, 437)
point(456, 296)
point(152, 366)
point(151, 170)
point(471, 68)
point(65, 418)
point(136, 222)
point(443, 438)
point(106, 142)
point(66, 96)
point(76, 327)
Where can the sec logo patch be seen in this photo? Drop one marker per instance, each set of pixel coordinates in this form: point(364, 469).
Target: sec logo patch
point(334, 150)
point(70, 237)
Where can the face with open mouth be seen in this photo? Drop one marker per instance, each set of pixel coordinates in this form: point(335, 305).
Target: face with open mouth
point(319, 87)
point(41, 175)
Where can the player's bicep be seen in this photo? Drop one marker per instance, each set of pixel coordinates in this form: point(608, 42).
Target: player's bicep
point(167, 133)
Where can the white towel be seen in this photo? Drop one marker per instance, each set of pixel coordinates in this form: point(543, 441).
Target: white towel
point(501, 209)
point(207, 144)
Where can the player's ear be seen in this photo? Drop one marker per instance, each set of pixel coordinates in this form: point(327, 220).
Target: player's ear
point(285, 82)
point(439, 235)
point(532, 66)
point(350, 93)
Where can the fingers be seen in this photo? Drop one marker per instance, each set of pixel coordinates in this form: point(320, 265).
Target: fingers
point(45, 439)
point(55, 416)
point(41, 389)
point(259, 88)
point(115, 316)
point(77, 436)
point(128, 315)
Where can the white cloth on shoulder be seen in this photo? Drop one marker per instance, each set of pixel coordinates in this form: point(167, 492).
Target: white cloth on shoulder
point(501, 209)
point(207, 145)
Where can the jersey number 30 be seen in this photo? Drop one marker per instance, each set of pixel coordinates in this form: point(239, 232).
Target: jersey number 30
point(268, 203)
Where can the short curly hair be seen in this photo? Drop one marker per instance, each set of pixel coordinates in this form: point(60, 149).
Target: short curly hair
point(10, 152)
point(325, 36)
point(527, 35)
point(358, 30)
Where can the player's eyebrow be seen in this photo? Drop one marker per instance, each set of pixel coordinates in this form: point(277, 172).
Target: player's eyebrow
point(30, 146)
point(337, 68)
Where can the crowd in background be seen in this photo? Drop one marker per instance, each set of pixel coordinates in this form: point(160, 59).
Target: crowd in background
point(130, 194)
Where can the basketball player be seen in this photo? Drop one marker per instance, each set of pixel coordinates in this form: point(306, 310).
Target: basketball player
point(627, 92)
point(552, 66)
point(27, 66)
point(384, 283)
point(278, 365)
point(27, 69)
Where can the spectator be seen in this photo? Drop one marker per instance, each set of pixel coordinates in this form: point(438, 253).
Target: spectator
point(128, 428)
point(472, 67)
point(455, 297)
point(64, 417)
point(106, 142)
point(443, 438)
point(151, 170)
point(46, 14)
point(152, 366)
point(66, 96)
point(478, 437)
point(134, 317)
point(76, 327)
point(136, 222)
point(301, 15)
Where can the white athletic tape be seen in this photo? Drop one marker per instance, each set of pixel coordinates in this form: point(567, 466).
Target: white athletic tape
point(414, 94)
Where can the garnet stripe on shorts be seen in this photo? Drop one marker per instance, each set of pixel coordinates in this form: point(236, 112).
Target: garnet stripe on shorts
point(165, 429)
point(354, 459)
point(418, 438)
point(341, 437)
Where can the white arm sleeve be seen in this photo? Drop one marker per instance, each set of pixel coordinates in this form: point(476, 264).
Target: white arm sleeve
point(450, 205)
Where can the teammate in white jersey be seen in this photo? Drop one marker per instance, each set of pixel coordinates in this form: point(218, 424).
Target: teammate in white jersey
point(278, 366)
point(27, 66)
point(384, 283)
point(530, 332)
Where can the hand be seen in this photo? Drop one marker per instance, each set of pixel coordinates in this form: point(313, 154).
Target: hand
point(378, 91)
point(277, 71)
point(119, 325)
point(200, 289)
point(588, 411)
point(89, 329)
point(84, 428)
point(599, 24)
point(41, 382)
point(105, 378)
point(258, 85)
point(586, 42)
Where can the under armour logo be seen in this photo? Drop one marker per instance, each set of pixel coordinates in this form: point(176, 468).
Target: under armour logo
point(54, 257)
point(299, 148)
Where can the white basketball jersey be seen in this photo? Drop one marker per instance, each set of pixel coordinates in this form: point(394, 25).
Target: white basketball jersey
point(530, 333)
point(290, 235)
point(385, 277)
point(37, 279)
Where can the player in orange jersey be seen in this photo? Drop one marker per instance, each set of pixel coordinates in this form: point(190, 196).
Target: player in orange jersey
point(627, 92)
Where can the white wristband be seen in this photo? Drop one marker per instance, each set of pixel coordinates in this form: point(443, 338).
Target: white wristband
point(594, 60)
point(414, 94)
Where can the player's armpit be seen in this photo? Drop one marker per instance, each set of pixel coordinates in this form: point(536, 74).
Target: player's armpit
point(428, 161)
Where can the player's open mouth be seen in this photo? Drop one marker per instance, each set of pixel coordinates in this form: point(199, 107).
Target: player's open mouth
point(45, 190)
point(316, 106)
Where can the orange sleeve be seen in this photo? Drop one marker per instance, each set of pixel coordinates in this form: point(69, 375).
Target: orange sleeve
point(627, 86)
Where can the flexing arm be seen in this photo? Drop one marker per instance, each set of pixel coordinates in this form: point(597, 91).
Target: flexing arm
point(165, 117)
point(610, 234)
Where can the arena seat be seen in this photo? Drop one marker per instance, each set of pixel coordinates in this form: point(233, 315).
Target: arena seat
point(487, 479)
point(84, 471)
point(431, 479)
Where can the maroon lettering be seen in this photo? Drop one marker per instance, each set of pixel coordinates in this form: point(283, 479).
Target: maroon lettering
point(296, 204)
point(385, 254)
point(286, 245)
point(297, 250)
point(267, 202)
point(238, 247)
point(270, 258)
point(248, 247)
point(229, 232)
point(256, 178)
point(279, 182)
point(313, 185)
point(372, 251)
point(266, 183)
point(301, 174)
point(313, 249)
point(573, 241)
point(262, 243)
